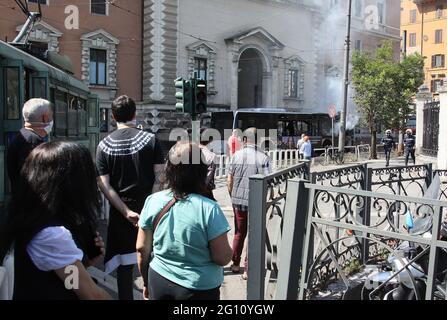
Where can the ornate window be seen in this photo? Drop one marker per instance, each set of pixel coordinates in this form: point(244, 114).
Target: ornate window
point(294, 78)
point(202, 64)
point(99, 60)
point(44, 36)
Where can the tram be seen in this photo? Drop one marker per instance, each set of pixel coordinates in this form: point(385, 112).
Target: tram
point(24, 76)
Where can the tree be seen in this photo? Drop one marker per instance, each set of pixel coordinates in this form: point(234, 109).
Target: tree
point(408, 77)
point(384, 88)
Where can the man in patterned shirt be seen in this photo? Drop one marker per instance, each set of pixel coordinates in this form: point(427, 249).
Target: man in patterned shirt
point(128, 162)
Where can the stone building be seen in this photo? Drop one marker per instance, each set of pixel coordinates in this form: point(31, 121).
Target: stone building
point(105, 47)
point(284, 54)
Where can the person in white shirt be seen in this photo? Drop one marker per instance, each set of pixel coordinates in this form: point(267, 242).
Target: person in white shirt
point(51, 225)
point(306, 148)
point(299, 145)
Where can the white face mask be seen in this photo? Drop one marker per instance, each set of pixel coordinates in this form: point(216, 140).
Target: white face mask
point(49, 127)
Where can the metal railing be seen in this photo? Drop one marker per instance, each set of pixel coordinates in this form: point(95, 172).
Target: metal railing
point(443, 180)
point(275, 280)
point(267, 200)
point(376, 226)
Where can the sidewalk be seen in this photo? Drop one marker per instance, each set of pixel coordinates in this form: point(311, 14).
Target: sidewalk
point(233, 288)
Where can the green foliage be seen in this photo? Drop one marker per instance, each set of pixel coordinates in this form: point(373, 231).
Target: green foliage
point(384, 88)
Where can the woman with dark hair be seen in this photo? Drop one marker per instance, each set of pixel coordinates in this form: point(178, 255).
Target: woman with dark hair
point(186, 231)
point(51, 225)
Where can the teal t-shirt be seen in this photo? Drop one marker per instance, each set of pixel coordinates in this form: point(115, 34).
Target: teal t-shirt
point(181, 251)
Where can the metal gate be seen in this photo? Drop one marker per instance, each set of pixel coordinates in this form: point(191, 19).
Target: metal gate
point(431, 129)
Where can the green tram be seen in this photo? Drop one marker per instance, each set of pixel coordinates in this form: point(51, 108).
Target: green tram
point(24, 76)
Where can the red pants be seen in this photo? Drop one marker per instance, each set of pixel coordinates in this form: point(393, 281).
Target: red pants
point(240, 233)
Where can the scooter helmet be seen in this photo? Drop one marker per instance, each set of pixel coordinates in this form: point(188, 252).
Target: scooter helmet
point(388, 132)
point(409, 131)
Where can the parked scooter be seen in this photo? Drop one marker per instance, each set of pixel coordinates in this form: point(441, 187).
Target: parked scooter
point(404, 275)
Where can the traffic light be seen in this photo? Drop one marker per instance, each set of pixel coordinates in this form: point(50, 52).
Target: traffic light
point(184, 96)
point(200, 102)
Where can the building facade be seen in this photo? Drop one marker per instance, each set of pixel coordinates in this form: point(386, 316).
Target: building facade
point(424, 26)
point(284, 54)
point(102, 39)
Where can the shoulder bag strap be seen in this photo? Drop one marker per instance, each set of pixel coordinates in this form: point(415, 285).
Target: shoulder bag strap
point(163, 211)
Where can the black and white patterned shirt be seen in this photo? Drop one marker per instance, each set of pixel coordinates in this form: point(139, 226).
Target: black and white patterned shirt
point(128, 156)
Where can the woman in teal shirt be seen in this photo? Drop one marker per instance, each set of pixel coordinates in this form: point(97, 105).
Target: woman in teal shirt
point(190, 244)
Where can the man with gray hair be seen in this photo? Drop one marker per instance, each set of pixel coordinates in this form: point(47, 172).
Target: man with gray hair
point(38, 123)
point(245, 163)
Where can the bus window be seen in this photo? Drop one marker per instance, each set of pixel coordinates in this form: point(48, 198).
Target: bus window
point(12, 93)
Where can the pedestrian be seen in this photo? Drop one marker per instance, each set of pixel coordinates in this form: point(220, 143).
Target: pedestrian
point(299, 145)
point(245, 163)
point(185, 231)
point(234, 144)
point(388, 145)
point(306, 148)
point(409, 144)
point(209, 158)
point(51, 225)
point(129, 162)
point(38, 123)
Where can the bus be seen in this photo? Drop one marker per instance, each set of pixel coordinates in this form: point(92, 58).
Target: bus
point(24, 76)
point(289, 125)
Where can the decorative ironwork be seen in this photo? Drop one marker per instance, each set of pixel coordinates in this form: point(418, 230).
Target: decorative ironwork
point(276, 199)
point(344, 255)
point(443, 188)
point(431, 129)
point(353, 177)
point(275, 191)
point(411, 180)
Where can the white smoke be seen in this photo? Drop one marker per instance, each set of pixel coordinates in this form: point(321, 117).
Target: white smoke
point(332, 42)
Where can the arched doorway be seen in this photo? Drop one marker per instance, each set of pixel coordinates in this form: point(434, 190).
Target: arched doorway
point(250, 71)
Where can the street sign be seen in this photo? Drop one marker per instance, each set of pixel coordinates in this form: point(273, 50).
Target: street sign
point(332, 111)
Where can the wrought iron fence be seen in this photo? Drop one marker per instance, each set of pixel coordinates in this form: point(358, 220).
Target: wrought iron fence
point(411, 180)
point(344, 259)
point(430, 141)
point(267, 201)
point(443, 180)
point(353, 177)
point(348, 247)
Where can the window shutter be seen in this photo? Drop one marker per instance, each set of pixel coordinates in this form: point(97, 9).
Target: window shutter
point(432, 86)
point(433, 61)
point(442, 61)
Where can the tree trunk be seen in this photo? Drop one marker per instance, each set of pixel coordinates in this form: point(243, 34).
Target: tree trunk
point(373, 154)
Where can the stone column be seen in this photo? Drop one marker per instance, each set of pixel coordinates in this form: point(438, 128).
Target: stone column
point(421, 99)
point(234, 77)
point(442, 153)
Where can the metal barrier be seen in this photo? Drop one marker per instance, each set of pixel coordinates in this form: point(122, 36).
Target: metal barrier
point(344, 207)
point(377, 226)
point(350, 176)
point(267, 199)
point(443, 179)
point(412, 180)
